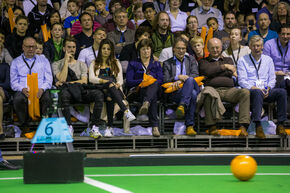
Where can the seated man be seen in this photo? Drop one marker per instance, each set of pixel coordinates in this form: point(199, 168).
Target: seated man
point(179, 69)
point(263, 30)
point(90, 54)
point(68, 72)
point(219, 72)
point(121, 35)
point(25, 64)
point(277, 49)
point(257, 73)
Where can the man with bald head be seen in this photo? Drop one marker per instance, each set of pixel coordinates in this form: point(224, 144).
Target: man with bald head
point(29, 62)
point(263, 30)
point(220, 73)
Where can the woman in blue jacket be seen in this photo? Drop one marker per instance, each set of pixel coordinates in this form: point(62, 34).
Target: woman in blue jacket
point(149, 94)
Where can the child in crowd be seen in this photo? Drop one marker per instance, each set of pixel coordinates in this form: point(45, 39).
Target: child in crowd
point(103, 15)
point(73, 8)
point(222, 35)
point(39, 47)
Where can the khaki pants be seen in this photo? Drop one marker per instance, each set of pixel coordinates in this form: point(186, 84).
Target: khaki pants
point(230, 95)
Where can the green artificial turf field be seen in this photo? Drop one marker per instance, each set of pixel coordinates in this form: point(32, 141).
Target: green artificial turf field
point(159, 179)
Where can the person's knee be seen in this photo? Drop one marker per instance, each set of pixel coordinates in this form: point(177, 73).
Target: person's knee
point(190, 80)
point(256, 92)
point(244, 92)
point(19, 99)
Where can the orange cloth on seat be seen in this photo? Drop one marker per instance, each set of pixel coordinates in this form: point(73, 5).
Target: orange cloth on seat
point(11, 19)
point(147, 80)
point(33, 101)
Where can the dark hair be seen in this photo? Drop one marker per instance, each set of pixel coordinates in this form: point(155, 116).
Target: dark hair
point(144, 43)
point(156, 19)
point(72, 1)
point(179, 39)
point(286, 25)
point(180, 33)
point(89, 4)
point(51, 14)
point(142, 30)
point(83, 14)
point(113, 2)
point(212, 18)
point(18, 8)
point(120, 10)
point(111, 61)
point(229, 12)
point(69, 39)
point(39, 41)
point(100, 29)
point(56, 24)
point(19, 17)
point(147, 5)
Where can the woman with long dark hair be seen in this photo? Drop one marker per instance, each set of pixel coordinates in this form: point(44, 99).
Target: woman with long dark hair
point(106, 71)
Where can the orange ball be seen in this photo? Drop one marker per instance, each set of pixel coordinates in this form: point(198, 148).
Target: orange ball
point(244, 167)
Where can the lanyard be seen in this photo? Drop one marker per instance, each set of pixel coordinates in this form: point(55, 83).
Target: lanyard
point(94, 52)
point(257, 69)
point(30, 68)
point(236, 61)
point(283, 58)
point(144, 68)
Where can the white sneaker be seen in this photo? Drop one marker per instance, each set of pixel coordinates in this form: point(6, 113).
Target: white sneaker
point(71, 130)
point(108, 132)
point(95, 133)
point(129, 116)
point(142, 118)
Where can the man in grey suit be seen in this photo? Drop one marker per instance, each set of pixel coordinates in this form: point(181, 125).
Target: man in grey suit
point(183, 69)
point(122, 35)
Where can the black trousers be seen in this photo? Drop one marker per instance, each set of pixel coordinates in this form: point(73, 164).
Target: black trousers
point(116, 96)
point(150, 94)
point(89, 96)
point(20, 103)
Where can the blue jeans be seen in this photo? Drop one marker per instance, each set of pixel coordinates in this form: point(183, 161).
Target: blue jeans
point(187, 96)
point(278, 95)
point(1, 158)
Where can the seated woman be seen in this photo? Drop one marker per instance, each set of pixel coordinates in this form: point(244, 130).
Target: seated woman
point(134, 76)
point(191, 26)
point(106, 71)
point(183, 69)
point(4, 87)
point(235, 49)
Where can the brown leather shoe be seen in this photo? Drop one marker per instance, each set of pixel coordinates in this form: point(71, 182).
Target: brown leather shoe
point(280, 131)
point(155, 132)
point(190, 131)
point(244, 132)
point(260, 133)
point(213, 131)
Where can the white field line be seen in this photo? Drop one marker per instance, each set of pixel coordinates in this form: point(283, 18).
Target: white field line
point(211, 154)
point(193, 174)
point(104, 186)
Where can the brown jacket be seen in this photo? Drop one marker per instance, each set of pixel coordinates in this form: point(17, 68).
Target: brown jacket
point(215, 72)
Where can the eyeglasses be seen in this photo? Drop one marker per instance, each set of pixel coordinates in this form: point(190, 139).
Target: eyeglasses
point(180, 48)
point(29, 47)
